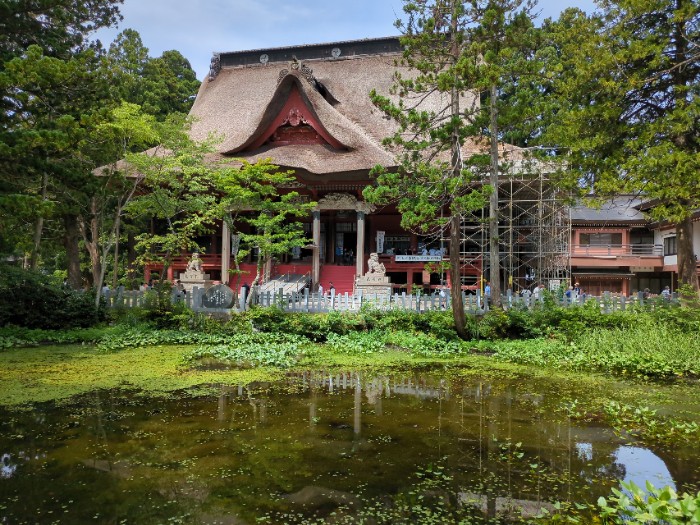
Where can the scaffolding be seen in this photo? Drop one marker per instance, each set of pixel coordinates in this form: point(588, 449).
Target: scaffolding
point(534, 231)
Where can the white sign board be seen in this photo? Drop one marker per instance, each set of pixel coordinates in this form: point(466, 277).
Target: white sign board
point(418, 258)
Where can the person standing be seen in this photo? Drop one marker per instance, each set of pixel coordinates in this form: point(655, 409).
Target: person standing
point(666, 293)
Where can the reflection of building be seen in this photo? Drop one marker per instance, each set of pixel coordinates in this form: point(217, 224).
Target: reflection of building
point(308, 109)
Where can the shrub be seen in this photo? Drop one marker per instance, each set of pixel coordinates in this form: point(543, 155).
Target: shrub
point(32, 300)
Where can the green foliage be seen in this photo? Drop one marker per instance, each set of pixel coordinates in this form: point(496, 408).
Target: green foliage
point(635, 506)
point(249, 350)
point(59, 26)
point(179, 193)
point(17, 337)
point(644, 350)
point(249, 196)
point(357, 343)
point(30, 299)
point(144, 336)
point(573, 322)
point(377, 341)
point(161, 86)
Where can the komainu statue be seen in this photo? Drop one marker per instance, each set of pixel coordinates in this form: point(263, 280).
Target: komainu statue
point(374, 266)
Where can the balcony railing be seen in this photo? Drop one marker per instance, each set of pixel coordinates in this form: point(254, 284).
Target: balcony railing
point(617, 250)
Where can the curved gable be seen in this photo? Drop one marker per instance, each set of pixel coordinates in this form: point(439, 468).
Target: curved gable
point(290, 119)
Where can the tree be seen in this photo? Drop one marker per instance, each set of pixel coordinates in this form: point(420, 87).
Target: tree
point(629, 108)
point(55, 112)
point(178, 193)
point(45, 80)
point(502, 61)
point(430, 186)
point(456, 51)
point(188, 194)
point(59, 27)
point(161, 86)
point(250, 195)
point(127, 130)
point(54, 104)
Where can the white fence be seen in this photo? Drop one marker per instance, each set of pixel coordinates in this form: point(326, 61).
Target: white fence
point(305, 301)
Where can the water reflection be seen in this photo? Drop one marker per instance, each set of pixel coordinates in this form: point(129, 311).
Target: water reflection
point(641, 465)
point(312, 445)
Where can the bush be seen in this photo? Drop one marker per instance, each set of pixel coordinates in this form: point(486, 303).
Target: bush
point(32, 300)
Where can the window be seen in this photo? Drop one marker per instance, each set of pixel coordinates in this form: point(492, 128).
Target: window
point(397, 244)
point(600, 239)
point(670, 247)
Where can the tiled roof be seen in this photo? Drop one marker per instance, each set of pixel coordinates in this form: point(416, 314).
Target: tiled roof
point(619, 210)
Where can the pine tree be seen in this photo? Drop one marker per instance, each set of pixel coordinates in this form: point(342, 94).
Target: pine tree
point(629, 113)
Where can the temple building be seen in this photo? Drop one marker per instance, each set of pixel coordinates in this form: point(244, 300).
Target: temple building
point(308, 109)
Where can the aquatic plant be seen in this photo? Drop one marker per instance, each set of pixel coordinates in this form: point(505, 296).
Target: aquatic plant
point(247, 350)
point(636, 506)
point(645, 422)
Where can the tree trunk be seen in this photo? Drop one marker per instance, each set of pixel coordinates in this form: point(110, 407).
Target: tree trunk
point(455, 220)
point(687, 265)
point(91, 239)
point(115, 273)
point(71, 243)
point(131, 261)
point(495, 256)
point(256, 280)
point(39, 225)
point(456, 278)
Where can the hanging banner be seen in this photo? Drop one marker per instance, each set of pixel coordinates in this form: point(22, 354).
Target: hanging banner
point(235, 244)
point(380, 242)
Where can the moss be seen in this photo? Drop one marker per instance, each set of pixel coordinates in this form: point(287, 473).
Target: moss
point(57, 373)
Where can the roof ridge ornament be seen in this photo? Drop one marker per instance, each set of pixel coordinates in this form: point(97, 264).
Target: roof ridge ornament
point(297, 65)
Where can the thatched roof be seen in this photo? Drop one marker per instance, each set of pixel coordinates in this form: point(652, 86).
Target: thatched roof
point(247, 90)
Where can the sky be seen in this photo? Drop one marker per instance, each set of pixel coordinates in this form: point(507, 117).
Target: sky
point(199, 28)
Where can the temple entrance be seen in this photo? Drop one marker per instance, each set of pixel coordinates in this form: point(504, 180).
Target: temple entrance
point(345, 246)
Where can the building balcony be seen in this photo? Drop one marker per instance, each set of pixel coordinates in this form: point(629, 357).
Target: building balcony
point(617, 255)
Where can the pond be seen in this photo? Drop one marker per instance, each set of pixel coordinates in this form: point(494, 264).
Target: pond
point(317, 448)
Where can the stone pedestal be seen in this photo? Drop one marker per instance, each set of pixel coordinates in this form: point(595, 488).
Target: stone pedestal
point(192, 278)
point(370, 285)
